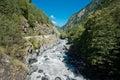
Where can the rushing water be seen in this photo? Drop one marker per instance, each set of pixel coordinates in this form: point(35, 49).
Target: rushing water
point(51, 65)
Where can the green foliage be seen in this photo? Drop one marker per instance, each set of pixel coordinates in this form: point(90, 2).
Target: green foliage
point(17, 64)
point(16, 15)
point(12, 13)
point(10, 29)
point(64, 34)
point(23, 7)
point(75, 33)
point(36, 15)
point(99, 43)
point(99, 39)
point(7, 9)
point(36, 43)
point(10, 36)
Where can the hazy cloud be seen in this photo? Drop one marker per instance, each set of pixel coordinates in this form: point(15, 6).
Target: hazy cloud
point(52, 17)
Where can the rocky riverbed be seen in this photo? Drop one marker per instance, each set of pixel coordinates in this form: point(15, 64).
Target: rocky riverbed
point(51, 64)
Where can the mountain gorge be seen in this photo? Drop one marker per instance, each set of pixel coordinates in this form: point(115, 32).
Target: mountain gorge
point(31, 48)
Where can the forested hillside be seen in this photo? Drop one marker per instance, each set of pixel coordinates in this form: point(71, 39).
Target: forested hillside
point(96, 40)
point(18, 19)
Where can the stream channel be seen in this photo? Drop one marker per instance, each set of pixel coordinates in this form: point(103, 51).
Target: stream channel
point(51, 65)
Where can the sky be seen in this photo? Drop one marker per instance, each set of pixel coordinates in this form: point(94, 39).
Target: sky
point(59, 11)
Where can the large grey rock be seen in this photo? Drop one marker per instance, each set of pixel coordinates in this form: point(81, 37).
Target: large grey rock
point(33, 68)
point(38, 77)
point(40, 71)
point(58, 78)
point(67, 47)
point(46, 77)
point(32, 60)
point(46, 59)
point(69, 78)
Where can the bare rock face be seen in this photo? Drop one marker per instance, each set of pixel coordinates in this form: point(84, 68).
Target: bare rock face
point(43, 29)
point(39, 28)
point(25, 25)
point(8, 71)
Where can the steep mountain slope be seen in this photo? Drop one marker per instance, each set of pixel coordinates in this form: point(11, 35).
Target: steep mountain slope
point(96, 41)
point(81, 16)
point(18, 19)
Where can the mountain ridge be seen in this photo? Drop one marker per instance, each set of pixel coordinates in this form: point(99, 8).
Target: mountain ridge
point(80, 16)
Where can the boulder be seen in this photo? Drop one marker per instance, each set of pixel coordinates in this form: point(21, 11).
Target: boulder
point(45, 77)
point(69, 78)
point(32, 60)
point(58, 78)
point(38, 77)
point(45, 56)
point(33, 68)
point(40, 71)
point(67, 47)
point(46, 59)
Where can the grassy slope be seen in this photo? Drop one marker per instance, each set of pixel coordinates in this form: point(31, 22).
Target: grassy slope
point(12, 15)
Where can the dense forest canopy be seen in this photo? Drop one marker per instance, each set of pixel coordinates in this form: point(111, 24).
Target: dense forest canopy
point(97, 40)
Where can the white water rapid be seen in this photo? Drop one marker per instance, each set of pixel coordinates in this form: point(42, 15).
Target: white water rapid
point(51, 65)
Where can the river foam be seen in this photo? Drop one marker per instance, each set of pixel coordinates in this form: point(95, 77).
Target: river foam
point(51, 65)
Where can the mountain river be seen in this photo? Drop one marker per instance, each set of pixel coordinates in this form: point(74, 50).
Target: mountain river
point(51, 65)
